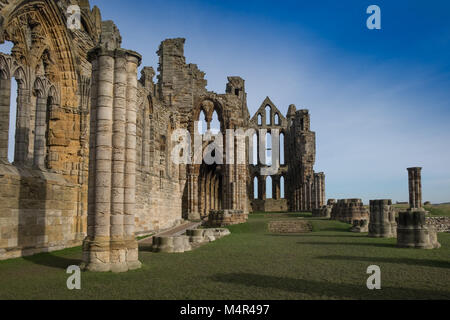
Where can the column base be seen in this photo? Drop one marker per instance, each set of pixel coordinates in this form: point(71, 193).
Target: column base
point(98, 256)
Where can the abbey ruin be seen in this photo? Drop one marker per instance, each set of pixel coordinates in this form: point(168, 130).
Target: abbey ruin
point(92, 143)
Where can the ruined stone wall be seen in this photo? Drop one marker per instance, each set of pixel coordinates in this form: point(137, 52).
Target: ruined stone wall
point(46, 184)
point(159, 187)
point(349, 210)
point(39, 212)
point(306, 190)
point(69, 82)
point(270, 205)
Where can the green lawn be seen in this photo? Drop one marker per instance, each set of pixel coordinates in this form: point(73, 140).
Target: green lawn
point(436, 210)
point(329, 263)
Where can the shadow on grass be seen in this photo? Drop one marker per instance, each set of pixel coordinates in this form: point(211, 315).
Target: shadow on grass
point(145, 247)
point(326, 289)
point(407, 261)
point(342, 230)
point(362, 244)
point(348, 235)
point(53, 261)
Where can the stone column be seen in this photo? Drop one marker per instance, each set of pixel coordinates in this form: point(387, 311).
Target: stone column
point(415, 187)
point(276, 191)
point(5, 97)
point(111, 244)
point(193, 194)
point(39, 132)
point(412, 229)
point(133, 62)
point(96, 248)
point(322, 191)
point(22, 125)
point(382, 219)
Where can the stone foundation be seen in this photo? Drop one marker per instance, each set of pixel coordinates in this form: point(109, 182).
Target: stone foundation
point(177, 244)
point(225, 218)
point(413, 232)
point(269, 205)
point(440, 224)
point(192, 239)
point(382, 219)
point(348, 210)
point(360, 226)
point(290, 226)
point(39, 212)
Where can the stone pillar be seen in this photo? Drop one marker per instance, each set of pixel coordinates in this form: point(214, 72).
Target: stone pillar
point(111, 244)
point(412, 230)
point(131, 245)
point(262, 187)
point(22, 125)
point(193, 194)
point(5, 97)
point(276, 191)
point(40, 145)
point(382, 219)
point(415, 187)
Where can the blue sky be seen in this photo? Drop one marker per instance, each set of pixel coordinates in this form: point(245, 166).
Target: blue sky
point(379, 99)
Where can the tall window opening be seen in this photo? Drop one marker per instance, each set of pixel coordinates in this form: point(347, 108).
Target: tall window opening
point(268, 149)
point(215, 124)
point(282, 160)
point(268, 115)
point(269, 188)
point(202, 125)
point(255, 150)
point(12, 120)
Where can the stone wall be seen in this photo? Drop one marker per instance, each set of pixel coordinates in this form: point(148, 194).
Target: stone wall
point(269, 205)
point(39, 212)
point(441, 224)
point(224, 218)
point(85, 121)
point(290, 226)
point(349, 210)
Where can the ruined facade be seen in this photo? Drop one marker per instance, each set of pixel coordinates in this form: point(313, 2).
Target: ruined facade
point(93, 140)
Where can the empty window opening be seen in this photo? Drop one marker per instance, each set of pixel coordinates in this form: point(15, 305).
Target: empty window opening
point(12, 121)
point(268, 149)
point(255, 149)
point(202, 125)
point(282, 196)
point(215, 123)
point(269, 188)
point(268, 115)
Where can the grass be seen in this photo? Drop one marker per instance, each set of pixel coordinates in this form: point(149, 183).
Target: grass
point(329, 263)
point(436, 210)
point(442, 210)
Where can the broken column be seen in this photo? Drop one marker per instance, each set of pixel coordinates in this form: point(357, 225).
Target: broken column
point(415, 187)
point(382, 219)
point(412, 229)
point(349, 210)
point(111, 244)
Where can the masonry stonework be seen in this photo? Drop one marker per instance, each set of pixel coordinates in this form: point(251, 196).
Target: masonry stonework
point(92, 150)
